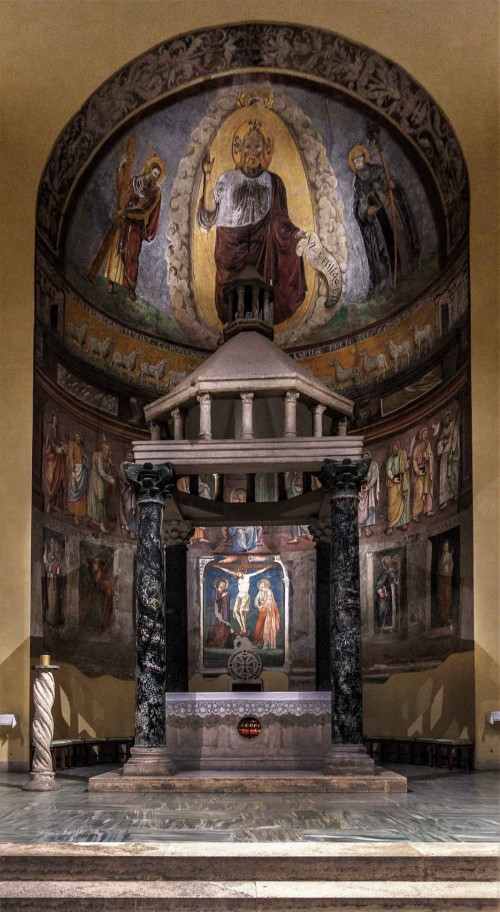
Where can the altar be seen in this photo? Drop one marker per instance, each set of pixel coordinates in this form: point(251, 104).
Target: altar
point(281, 730)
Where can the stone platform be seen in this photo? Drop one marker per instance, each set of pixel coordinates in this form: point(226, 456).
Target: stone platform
point(158, 877)
point(250, 781)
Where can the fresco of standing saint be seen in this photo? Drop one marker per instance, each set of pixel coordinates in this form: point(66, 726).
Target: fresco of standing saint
point(383, 214)
point(78, 478)
point(368, 498)
point(54, 467)
point(397, 478)
point(268, 618)
point(250, 212)
point(102, 482)
point(136, 220)
point(448, 450)
point(422, 470)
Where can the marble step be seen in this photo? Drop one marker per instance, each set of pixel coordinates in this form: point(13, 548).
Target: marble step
point(264, 861)
point(251, 782)
point(248, 896)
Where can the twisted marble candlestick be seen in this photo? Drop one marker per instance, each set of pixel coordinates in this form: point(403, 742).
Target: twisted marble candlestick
point(42, 774)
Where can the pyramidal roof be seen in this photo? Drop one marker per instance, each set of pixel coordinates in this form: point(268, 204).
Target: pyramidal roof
point(248, 362)
point(248, 355)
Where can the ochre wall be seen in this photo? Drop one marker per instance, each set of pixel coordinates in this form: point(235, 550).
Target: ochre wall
point(424, 704)
point(54, 54)
point(92, 707)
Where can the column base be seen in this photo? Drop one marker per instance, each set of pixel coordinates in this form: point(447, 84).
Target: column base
point(41, 782)
point(348, 760)
point(149, 761)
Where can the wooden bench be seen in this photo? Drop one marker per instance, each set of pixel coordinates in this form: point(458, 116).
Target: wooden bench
point(68, 752)
point(437, 752)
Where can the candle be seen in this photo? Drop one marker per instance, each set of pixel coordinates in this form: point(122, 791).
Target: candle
point(45, 659)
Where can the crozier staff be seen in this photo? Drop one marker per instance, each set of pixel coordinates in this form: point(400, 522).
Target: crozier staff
point(249, 209)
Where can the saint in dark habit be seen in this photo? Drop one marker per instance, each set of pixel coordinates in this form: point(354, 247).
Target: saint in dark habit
point(383, 214)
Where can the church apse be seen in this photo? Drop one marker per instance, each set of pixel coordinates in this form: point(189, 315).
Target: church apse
point(130, 257)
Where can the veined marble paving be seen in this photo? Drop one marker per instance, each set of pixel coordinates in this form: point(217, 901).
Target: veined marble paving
point(440, 806)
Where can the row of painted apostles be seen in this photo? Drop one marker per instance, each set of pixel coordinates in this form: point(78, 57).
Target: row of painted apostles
point(71, 479)
point(410, 478)
point(84, 486)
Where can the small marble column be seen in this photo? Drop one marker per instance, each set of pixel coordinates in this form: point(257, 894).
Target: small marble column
point(347, 754)
point(291, 414)
point(155, 430)
point(149, 755)
point(42, 774)
point(246, 416)
point(318, 420)
point(177, 535)
point(255, 302)
point(321, 531)
point(178, 416)
point(267, 309)
point(342, 427)
point(240, 291)
point(205, 401)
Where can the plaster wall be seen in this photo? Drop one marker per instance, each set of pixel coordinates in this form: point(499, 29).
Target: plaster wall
point(54, 55)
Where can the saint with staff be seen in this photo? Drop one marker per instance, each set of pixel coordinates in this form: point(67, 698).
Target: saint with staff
point(382, 211)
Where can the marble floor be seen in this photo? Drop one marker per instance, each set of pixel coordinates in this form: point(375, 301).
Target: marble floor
point(440, 806)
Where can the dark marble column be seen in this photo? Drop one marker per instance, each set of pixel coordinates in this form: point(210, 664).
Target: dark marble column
point(149, 755)
point(321, 531)
point(177, 535)
point(347, 754)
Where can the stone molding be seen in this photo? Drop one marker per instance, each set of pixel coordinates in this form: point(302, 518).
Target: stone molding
point(152, 483)
point(343, 479)
point(222, 706)
point(321, 529)
point(177, 532)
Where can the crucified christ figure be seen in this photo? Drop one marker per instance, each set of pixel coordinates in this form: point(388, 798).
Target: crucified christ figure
point(241, 605)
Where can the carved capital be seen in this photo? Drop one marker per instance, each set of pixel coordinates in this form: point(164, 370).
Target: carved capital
point(177, 532)
point(247, 397)
point(291, 397)
point(321, 530)
point(151, 483)
point(344, 478)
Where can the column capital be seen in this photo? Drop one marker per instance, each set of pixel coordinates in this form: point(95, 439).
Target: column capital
point(291, 396)
point(151, 483)
point(247, 397)
point(177, 532)
point(344, 478)
point(204, 397)
point(318, 409)
point(321, 529)
point(177, 412)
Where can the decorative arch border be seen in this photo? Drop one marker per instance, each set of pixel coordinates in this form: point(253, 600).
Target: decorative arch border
point(313, 53)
